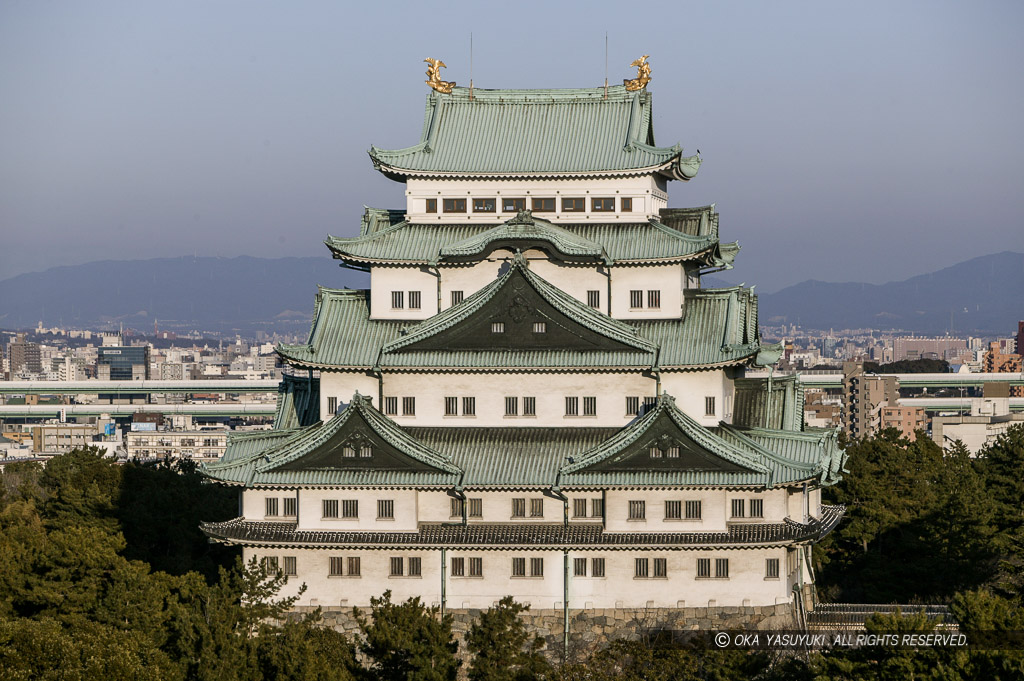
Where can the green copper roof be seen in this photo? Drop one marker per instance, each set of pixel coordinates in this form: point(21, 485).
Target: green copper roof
point(383, 241)
point(539, 133)
point(781, 408)
point(298, 402)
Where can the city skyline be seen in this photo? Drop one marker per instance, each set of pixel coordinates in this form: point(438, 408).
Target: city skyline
point(136, 132)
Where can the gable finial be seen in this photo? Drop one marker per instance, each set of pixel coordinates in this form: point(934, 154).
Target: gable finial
point(434, 76)
point(643, 75)
point(523, 217)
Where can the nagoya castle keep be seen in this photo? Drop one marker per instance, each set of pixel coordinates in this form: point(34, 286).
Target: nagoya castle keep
point(536, 397)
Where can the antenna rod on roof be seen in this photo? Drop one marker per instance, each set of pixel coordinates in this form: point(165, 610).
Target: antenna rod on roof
point(606, 64)
point(471, 66)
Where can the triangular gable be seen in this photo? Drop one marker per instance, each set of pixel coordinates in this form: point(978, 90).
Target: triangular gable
point(526, 231)
point(665, 439)
point(521, 311)
point(358, 438)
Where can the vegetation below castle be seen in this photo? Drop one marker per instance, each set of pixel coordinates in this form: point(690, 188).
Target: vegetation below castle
point(104, 574)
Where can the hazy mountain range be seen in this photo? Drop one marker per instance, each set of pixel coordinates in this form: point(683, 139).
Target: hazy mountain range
point(244, 294)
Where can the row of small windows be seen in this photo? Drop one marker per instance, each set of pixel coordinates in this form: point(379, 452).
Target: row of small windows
point(398, 566)
point(636, 299)
point(286, 507)
point(546, 204)
point(414, 301)
point(528, 406)
point(691, 509)
point(398, 300)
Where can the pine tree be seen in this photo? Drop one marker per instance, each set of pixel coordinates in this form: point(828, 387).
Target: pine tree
point(502, 648)
point(408, 641)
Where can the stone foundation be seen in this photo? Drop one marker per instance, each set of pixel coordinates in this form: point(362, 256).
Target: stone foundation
point(590, 630)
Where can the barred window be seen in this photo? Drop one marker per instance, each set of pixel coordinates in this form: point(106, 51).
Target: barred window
point(397, 300)
point(579, 567)
point(397, 567)
point(332, 405)
point(637, 510)
point(330, 508)
point(721, 568)
point(636, 299)
point(270, 564)
point(650, 403)
point(572, 406)
point(291, 505)
point(291, 567)
point(673, 510)
point(641, 567)
point(497, 327)
point(457, 297)
point(590, 406)
point(385, 509)
point(656, 453)
point(519, 508)
point(529, 406)
point(469, 406)
point(540, 327)
point(537, 508)
point(518, 567)
point(353, 566)
point(271, 506)
point(597, 567)
point(476, 508)
point(391, 406)
point(456, 508)
point(350, 508)
point(579, 508)
point(703, 568)
point(632, 405)
point(672, 452)
point(337, 563)
point(408, 406)
point(511, 406)
point(415, 566)
point(654, 299)
point(693, 510)
point(594, 299)
point(771, 568)
point(737, 508)
point(414, 300)
point(366, 451)
point(476, 567)
point(536, 567)
point(597, 508)
point(349, 452)
point(458, 567)
point(757, 508)
point(709, 405)
point(660, 568)
point(451, 406)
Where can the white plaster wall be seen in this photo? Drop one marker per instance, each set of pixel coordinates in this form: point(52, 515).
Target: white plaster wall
point(254, 505)
point(716, 509)
point(471, 278)
point(343, 385)
point(498, 582)
point(311, 510)
point(665, 278)
point(384, 280)
point(647, 198)
point(490, 391)
point(689, 388)
point(435, 507)
point(575, 281)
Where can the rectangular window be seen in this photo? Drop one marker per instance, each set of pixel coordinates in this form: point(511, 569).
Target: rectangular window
point(536, 567)
point(721, 568)
point(771, 568)
point(597, 508)
point(484, 206)
point(271, 506)
point(332, 405)
point(529, 406)
point(353, 566)
point(476, 508)
point(511, 406)
point(540, 327)
point(603, 205)
point(641, 568)
point(271, 564)
point(693, 510)
point(408, 406)
point(757, 508)
point(291, 568)
point(457, 297)
point(291, 505)
point(703, 568)
point(709, 405)
point(414, 300)
point(632, 406)
point(654, 299)
point(737, 508)
point(590, 406)
point(545, 205)
point(397, 300)
point(456, 505)
point(636, 299)
point(537, 508)
point(513, 205)
point(349, 508)
point(451, 406)
point(415, 566)
point(660, 568)
point(497, 327)
point(594, 299)
point(672, 453)
point(385, 509)
point(348, 451)
point(469, 406)
point(637, 510)
point(454, 205)
point(574, 205)
point(572, 406)
point(336, 567)
point(458, 567)
point(476, 567)
point(579, 508)
point(391, 406)
point(431, 206)
point(656, 453)
point(366, 452)
point(579, 567)
point(597, 567)
point(397, 567)
point(650, 403)
point(518, 567)
point(673, 510)
point(330, 508)
point(627, 204)
point(519, 508)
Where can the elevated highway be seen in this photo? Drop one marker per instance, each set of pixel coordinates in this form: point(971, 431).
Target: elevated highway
point(233, 386)
point(45, 411)
point(907, 380)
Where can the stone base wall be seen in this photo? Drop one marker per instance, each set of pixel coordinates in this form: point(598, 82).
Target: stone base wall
point(589, 630)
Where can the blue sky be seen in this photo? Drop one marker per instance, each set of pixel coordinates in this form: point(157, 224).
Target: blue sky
point(865, 141)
